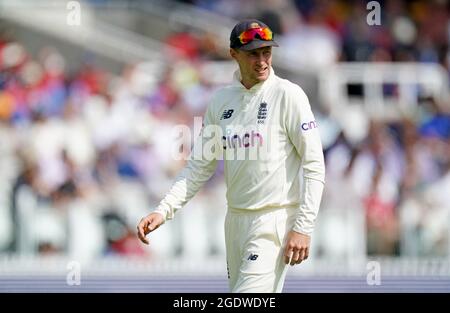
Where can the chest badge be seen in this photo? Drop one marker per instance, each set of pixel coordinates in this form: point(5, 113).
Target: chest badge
point(262, 112)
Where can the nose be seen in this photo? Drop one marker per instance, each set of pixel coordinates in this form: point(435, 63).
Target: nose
point(260, 59)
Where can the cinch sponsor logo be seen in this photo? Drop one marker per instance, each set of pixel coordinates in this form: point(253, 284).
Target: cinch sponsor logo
point(309, 125)
point(246, 140)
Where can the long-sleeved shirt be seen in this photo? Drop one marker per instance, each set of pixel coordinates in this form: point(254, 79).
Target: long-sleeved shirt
point(265, 135)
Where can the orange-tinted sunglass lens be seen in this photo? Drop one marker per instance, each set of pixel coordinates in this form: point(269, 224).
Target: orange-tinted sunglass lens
point(250, 34)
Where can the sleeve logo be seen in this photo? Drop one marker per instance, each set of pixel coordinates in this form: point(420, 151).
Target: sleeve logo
point(309, 125)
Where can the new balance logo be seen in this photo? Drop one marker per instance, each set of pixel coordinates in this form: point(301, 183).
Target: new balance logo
point(226, 114)
point(252, 257)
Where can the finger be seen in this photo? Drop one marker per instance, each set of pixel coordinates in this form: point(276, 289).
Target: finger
point(145, 240)
point(140, 230)
point(288, 255)
point(141, 233)
point(301, 256)
point(295, 257)
point(152, 225)
point(142, 238)
point(306, 253)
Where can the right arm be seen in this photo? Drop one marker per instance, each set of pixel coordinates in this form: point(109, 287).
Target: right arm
point(195, 174)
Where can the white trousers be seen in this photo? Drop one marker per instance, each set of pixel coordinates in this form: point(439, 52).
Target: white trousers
point(254, 244)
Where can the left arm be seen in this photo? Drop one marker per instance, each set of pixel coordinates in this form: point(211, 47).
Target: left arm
point(304, 135)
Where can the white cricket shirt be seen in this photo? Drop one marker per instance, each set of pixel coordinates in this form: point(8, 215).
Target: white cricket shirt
point(265, 135)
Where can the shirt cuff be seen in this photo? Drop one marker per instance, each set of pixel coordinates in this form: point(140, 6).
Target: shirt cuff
point(307, 213)
point(163, 210)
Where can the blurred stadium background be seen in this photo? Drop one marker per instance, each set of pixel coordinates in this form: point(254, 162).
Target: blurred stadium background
point(86, 119)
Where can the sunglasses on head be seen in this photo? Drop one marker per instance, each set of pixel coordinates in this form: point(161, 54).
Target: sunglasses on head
point(250, 34)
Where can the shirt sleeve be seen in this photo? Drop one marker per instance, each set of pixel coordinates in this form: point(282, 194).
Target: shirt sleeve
point(303, 132)
point(198, 170)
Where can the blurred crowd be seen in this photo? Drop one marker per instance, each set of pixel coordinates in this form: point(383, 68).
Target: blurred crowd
point(85, 155)
point(388, 193)
point(338, 30)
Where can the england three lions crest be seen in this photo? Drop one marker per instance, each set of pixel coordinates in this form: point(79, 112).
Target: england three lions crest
point(262, 112)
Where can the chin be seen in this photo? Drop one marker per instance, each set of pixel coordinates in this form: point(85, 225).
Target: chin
point(262, 77)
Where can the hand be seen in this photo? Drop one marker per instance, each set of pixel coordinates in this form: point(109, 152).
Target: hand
point(149, 224)
point(297, 247)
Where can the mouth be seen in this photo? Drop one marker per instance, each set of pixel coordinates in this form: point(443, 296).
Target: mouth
point(261, 70)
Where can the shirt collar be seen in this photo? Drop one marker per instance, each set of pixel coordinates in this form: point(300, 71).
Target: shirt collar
point(259, 86)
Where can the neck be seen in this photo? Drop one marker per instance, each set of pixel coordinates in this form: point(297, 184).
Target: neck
point(248, 83)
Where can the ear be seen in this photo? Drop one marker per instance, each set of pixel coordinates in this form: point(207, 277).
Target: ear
point(233, 53)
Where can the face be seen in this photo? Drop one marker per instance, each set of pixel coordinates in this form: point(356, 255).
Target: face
point(254, 64)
